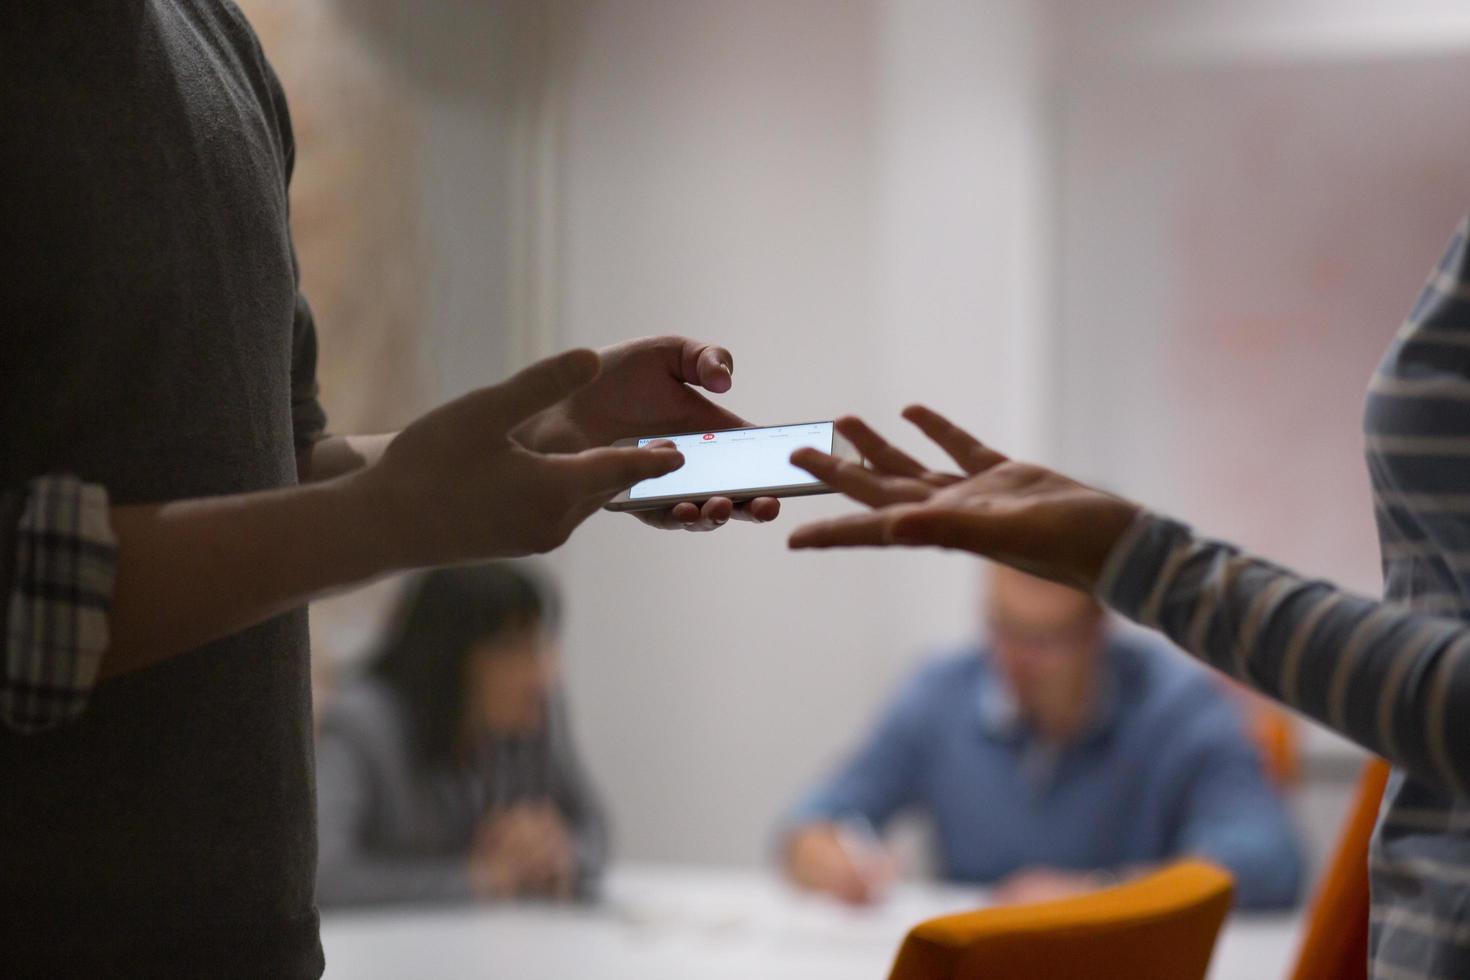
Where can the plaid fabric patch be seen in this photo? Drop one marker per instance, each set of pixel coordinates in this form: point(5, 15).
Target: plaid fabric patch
point(60, 589)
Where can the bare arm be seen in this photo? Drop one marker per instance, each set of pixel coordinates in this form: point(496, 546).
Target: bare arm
point(191, 571)
point(503, 471)
point(451, 487)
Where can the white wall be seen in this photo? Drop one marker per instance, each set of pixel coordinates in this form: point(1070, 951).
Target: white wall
point(473, 78)
point(459, 75)
point(1138, 32)
point(847, 194)
point(857, 196)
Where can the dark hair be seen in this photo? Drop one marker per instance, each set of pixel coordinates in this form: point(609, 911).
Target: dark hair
point(443, 615)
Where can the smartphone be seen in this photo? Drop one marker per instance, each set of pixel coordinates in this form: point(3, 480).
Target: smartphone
point(737, 463)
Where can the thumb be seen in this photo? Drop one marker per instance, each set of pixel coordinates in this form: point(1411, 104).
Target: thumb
point(541, 385)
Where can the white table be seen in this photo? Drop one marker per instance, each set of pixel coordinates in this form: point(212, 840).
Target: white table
point(686, 923)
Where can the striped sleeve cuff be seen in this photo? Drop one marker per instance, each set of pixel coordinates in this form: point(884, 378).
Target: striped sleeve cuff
point(56, 629)
point(1134, 576)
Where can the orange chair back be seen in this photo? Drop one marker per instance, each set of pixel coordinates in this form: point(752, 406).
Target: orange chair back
point(1272, 729)
point(1274, 732)
point(1335, 946)
point(1161, 927)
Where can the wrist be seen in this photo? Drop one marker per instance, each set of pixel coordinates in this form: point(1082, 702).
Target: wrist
point(1129, 575)
point(1110, 525)
point(376, 519)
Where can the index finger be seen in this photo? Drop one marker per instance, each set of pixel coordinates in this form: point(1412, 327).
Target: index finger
point(858, 482)
point(541, 385)
point(970, 453)
point(877, 450)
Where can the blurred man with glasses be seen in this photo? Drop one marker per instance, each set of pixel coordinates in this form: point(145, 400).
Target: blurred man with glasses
point(1053, 757)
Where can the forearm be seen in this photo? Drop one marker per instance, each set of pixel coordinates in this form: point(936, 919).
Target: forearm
point(191, 571)
point(870, 788)
point(1395, 681)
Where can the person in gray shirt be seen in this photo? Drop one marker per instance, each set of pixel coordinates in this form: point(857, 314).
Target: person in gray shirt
point(447, 772)
point(171, 498)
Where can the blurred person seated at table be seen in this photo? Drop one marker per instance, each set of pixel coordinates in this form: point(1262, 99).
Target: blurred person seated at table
point(446, 773)
point(1057, 757)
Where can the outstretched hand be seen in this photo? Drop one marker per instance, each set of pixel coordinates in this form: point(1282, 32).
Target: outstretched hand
point(1016, 513)
point(648, 386)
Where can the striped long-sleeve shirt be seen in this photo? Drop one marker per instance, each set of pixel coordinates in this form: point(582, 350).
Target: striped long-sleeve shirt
point(1393, 676)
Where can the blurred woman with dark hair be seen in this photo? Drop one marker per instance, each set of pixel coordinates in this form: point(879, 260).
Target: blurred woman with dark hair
point(447, 772)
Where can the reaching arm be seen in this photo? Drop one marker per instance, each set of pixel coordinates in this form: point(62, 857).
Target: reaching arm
point(1395, 681)
point(190, 571)
point(452, 487)
point(503, 471)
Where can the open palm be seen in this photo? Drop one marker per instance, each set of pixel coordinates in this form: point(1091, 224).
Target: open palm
point(1017, 513)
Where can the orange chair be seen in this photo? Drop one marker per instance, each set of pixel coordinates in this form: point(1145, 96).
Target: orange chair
point(1272, 729)
point(1335, 946)
point(1160, 927)
point(1274, 732)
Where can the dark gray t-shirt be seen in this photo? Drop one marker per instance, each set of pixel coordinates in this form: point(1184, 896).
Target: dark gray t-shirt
point(152, 339)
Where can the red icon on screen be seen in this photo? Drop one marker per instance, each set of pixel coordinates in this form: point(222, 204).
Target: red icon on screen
point(708, 436)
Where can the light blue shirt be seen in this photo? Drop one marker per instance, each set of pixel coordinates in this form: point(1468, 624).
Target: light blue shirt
point(1162, 770)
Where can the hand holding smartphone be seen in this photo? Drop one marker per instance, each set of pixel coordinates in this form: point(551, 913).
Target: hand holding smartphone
point(740, 464)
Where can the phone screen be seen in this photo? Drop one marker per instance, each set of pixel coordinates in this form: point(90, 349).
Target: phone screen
point(734, 460)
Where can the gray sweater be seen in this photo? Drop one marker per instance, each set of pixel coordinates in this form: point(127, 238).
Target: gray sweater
point(392, 831)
